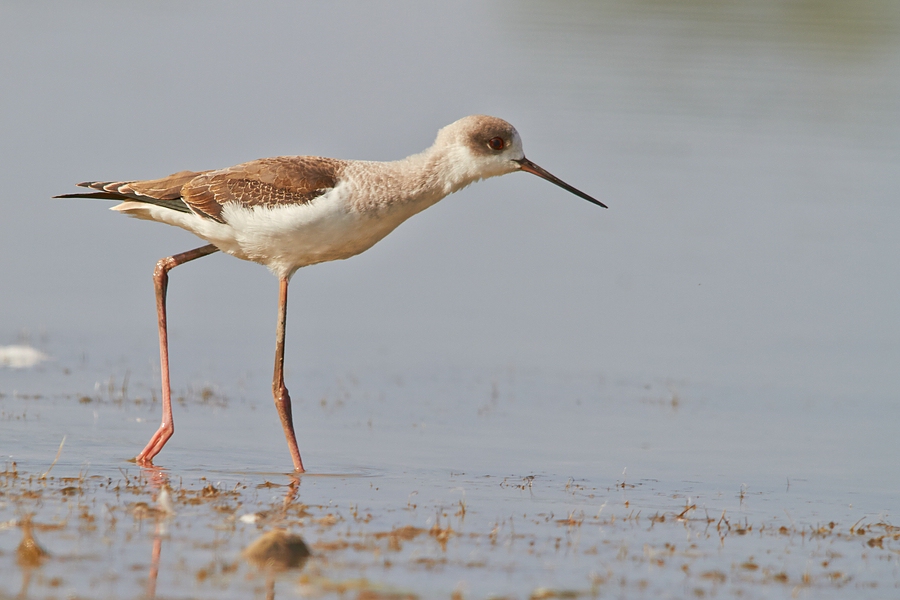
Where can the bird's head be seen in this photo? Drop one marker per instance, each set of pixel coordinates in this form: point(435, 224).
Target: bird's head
point(481, 146)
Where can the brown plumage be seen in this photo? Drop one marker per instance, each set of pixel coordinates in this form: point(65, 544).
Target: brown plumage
point(165, 191)
point(264, 182)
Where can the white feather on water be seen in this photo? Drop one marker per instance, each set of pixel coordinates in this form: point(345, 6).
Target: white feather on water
point(21, 357)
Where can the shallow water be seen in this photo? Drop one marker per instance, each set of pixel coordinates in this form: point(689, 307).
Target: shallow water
point(517, 394)
point(482, 483)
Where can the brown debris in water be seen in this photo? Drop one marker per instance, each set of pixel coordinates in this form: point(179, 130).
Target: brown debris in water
point(395, 537)
point(29, 553)
point(377, 595)
point(347, 543)
point(277, 550)
point(441, 534)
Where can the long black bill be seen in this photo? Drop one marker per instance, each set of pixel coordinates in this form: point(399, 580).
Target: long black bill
point(530, 167)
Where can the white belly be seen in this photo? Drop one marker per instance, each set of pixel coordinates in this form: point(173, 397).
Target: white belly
point(285, 237)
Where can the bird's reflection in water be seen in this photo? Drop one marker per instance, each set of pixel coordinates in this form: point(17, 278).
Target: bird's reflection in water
point(154, 562)
point(161, 513)
point(277, 550)
point(271, 553)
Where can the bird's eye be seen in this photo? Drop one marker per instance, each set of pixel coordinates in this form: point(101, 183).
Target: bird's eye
point(496, 143)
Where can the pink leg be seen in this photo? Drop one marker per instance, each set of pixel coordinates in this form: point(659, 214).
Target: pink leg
point(161, 282)
point(279, 391)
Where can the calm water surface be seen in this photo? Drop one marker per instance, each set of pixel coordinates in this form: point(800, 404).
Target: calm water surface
point(693, 392)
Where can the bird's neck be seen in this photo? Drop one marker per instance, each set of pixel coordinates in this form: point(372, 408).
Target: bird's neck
point(438, 172)
point(416, 182)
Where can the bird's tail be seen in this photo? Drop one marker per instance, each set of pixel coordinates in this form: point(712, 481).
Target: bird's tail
point(165, 192)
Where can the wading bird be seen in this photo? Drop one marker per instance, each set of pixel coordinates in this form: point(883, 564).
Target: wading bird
point(292, 211)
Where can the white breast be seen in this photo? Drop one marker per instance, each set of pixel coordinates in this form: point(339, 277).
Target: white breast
point(290, 236)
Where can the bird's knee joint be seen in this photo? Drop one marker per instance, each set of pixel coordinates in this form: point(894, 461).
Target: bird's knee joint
point(280, 393)
point(163, 266)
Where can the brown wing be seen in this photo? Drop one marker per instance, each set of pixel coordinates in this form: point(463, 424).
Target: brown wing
point(264, 182)
point(166, 188)
point(165, 191)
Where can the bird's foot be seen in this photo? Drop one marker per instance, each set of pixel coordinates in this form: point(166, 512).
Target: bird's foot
point(156, 443)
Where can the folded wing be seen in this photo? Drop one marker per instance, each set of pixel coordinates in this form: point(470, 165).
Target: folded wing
point(267, 182)
point(165, 191)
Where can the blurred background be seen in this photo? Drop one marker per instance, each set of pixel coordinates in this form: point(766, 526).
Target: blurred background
point(749, 153)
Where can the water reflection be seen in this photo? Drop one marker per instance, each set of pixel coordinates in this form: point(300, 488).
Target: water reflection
point(277, 550)
point(839, 26)
point(155, 555)
point(727, 61)
point(162, 513)
point(831, 27)
point(272, 553)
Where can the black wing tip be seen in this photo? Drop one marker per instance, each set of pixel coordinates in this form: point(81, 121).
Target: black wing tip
point(97, 195)
point(95, 185)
